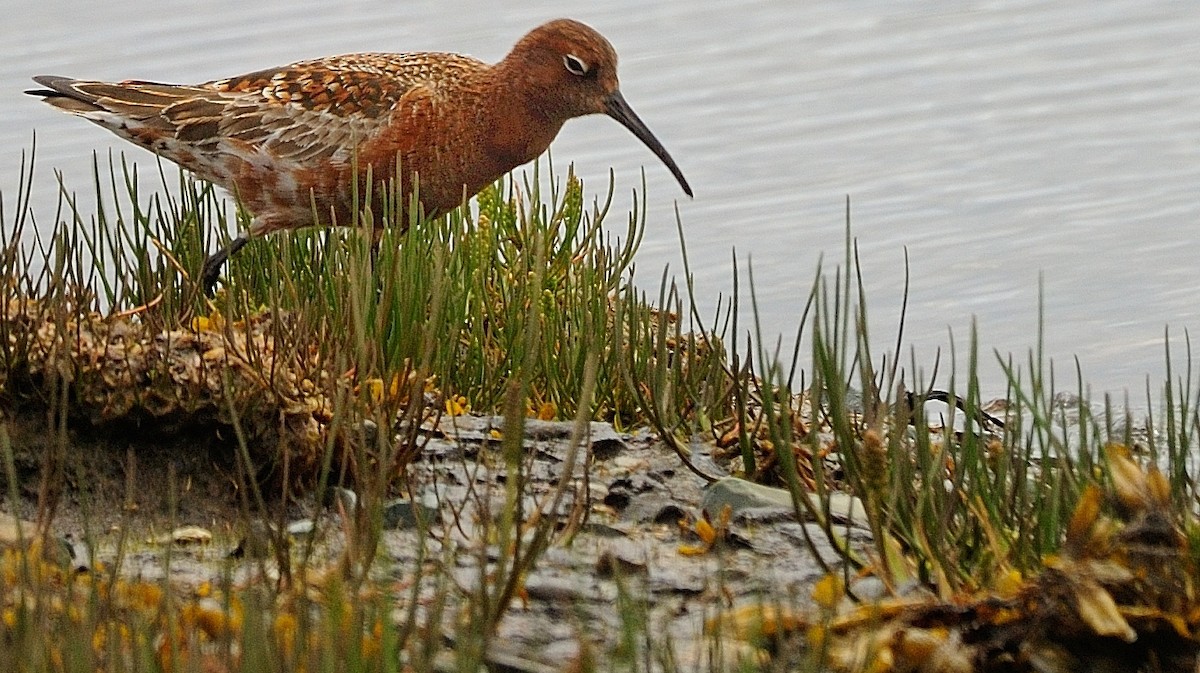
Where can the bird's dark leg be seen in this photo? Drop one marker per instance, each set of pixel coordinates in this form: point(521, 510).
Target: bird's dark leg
point(214, 262)
point(376, 237)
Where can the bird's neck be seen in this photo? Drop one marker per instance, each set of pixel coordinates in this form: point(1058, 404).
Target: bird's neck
point(521, 126)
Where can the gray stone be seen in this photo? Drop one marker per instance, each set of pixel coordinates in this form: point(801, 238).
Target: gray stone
point(302, 528)
point(601, 437)
point(401, 513)
point(741, 495)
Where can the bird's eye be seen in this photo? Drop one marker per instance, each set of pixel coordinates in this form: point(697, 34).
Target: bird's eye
point(575, 65)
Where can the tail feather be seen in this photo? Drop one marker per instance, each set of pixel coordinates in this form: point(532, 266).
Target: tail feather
point(56, 85)
point(206, 129)
point(60, 93)
point(133, 100)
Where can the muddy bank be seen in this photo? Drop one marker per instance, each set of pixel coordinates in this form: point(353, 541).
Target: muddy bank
point(631, 508)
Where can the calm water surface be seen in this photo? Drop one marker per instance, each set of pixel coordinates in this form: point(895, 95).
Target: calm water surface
point(994, 143)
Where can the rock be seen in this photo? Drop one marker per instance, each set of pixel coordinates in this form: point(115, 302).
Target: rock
point(622, 491)
point(670, 514)
point(764, 515)
point(343, 498)
point(370, 432)
point(256, 543)
point(741, 495)
point(15, 531)
point(302, 528)
point(622, 559)
point(402, 513)
point(870, 589)
point(630, 465)
point(561, 590)
point(603, 530)
point(185, 536)
point(603, 439)
point(683, 578)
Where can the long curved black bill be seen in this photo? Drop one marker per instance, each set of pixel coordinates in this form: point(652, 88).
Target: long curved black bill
point(616, 107)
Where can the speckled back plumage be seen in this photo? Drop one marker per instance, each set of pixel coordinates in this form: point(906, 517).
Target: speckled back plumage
point(289, 140)
point(238, 132)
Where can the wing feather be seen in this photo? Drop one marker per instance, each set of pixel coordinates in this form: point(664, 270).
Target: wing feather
point(319, 109)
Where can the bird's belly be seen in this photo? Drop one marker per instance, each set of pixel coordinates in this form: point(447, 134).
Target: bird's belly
point(282, 195)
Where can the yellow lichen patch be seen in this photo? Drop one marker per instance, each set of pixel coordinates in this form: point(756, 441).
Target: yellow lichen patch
point(212, 618)
point(143, 595)
point(1009, 583)
point(31, 564)
point(708, 533)
point(214, 322)
point(829, 591)
point(376, 391)
point(546, 411)
point(457, 405)
point(372, 389)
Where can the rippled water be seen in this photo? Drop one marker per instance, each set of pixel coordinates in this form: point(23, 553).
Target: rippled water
point(995, 143)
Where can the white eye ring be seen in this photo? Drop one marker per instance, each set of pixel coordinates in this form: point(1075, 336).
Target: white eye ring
point(575, 65)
